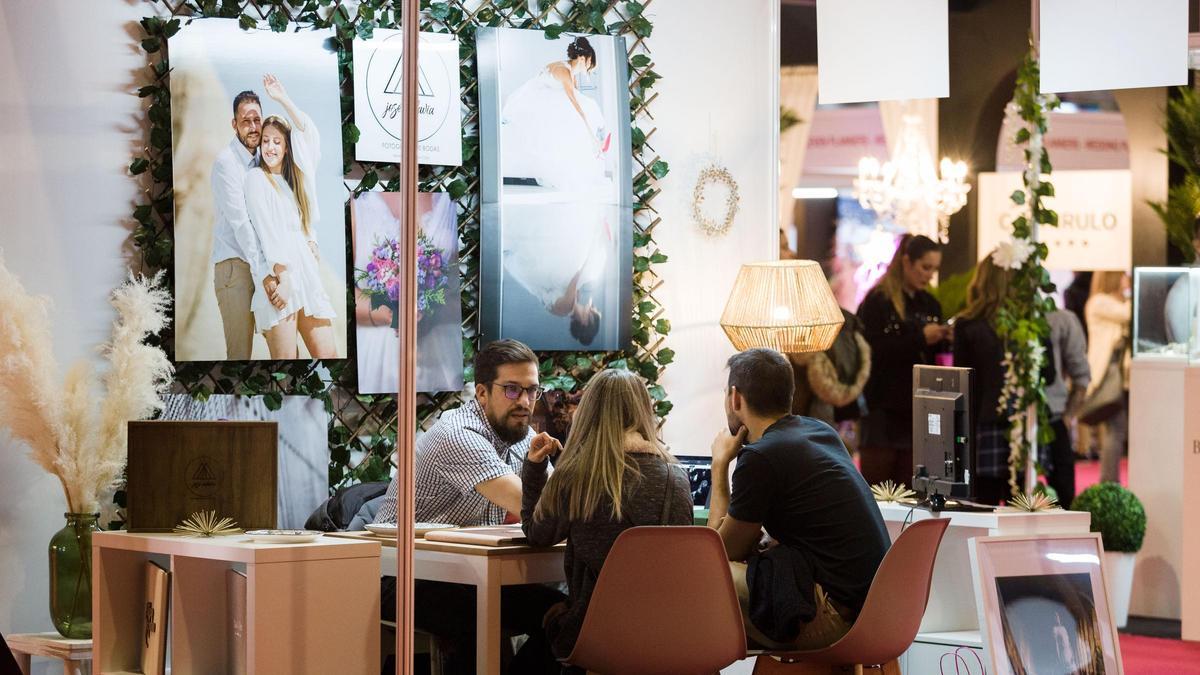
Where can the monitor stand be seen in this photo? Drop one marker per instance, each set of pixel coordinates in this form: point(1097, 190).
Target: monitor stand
point(937, 503)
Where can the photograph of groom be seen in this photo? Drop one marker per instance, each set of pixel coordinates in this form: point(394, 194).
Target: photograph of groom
point(260, 237)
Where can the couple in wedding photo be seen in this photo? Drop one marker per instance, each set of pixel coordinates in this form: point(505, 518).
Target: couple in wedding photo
point(265, 257)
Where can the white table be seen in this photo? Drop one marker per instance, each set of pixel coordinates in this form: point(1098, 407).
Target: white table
point(310, 607)
point(487, 568)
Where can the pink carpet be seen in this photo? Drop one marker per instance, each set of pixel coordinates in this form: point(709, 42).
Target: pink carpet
point(1156, 656)
point(1087, 473)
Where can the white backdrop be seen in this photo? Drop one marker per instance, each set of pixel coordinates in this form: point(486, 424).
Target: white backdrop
point(71, 122)
point(744, 137)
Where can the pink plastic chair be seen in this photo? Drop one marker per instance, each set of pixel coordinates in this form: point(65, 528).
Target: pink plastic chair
point(890, 617)
point(664, 605)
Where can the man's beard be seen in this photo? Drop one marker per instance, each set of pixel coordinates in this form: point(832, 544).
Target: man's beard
point(244, 140)
point(509, 434)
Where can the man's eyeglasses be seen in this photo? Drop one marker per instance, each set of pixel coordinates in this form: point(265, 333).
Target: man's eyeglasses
point(513, 392)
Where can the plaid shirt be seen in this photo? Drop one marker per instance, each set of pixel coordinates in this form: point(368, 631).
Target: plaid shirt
point(456, 454)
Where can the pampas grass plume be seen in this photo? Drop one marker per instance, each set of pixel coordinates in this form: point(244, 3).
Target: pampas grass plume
point(77, 431)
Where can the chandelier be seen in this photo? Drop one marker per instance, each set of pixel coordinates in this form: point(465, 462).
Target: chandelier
point(910, 189)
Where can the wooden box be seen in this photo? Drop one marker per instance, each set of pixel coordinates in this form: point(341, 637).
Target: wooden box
point(177, 468)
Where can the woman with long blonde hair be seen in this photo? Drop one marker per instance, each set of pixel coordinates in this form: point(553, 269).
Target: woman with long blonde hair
point(281, 200)
point(614, 474)
point(977, 346)
point(1109, 311)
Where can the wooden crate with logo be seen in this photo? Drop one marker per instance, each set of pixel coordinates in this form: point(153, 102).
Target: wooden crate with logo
point(177, 468)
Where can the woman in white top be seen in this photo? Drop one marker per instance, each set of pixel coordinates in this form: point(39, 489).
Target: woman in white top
point(281, 200)
point(553, 133)
point(1108, 312)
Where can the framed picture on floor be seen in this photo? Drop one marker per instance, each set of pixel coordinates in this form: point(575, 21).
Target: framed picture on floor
point(556, 176)
point(1043, 605)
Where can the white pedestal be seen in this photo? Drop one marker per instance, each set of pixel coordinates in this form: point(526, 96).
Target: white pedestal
point(1163, 395)
point(1190, 509)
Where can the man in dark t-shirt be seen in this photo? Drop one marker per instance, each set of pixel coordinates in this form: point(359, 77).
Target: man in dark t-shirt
point(795, 479)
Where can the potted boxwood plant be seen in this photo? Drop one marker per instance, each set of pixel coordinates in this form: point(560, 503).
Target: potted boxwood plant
point(1118, 515)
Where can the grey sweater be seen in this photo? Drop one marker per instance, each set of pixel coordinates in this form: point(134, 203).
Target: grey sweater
point(1070, 359)
point(589, 541)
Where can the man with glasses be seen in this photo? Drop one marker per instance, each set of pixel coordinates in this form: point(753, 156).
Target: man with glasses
point(468, 468)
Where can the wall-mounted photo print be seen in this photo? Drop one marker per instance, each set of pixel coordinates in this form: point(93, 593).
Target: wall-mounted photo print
point(378, 68)
point(556, 260)
point(260, 248)
point(375, 226)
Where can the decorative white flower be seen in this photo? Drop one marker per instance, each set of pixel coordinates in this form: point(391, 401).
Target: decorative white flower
point(1012, 254)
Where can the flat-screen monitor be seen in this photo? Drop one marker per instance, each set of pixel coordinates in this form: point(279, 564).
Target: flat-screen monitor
point(699, 471)
point(943, 450)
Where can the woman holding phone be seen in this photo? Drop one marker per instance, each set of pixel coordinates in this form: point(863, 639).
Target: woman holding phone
point(903, 325)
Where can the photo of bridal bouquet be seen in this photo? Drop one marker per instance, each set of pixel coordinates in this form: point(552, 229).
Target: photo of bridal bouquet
point(381, 281)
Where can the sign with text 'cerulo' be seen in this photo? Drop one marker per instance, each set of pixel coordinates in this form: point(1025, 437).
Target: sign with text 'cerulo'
point(1095, 218)
point(378, 99)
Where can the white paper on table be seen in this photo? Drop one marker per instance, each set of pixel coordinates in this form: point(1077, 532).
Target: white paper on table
point(1088, 45)
point(882, 50)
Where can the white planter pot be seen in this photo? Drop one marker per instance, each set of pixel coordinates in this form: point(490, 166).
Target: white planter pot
point(1118, 568)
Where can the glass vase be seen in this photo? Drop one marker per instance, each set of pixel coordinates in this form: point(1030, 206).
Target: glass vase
point(71, 576)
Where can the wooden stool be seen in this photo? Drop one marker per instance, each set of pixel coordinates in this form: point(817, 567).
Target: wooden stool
point(76, 655)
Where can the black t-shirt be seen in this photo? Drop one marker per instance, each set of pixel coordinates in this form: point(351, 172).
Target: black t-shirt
point(799, 482)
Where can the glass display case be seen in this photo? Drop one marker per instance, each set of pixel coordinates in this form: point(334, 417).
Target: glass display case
point(1165, 318)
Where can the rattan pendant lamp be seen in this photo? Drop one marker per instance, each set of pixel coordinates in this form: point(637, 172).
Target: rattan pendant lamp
point(785, 305)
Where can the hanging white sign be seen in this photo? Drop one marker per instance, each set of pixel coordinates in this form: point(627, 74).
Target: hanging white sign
point(882, 50)
point(1095, 218)
point(1087, 45)
point(378, 100)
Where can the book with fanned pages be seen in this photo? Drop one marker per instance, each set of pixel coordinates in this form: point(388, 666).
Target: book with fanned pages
point(235, 589)
point(154, 620)
point(500, 535)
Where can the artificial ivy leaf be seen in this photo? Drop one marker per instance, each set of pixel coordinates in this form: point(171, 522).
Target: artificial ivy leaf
point(369, 180)
point(639, 61)
point(553, 31)
point(665, 355)
point(139, 165)
point(657, 392)
point(247, 22)
point(277, 20)
point(273, 400)
point(1022, 135)
point(634, 8)
point(457, 189)
point(662, 326)
point(171, 28)
point(658, 258)
point(350, 134)
point(1018, 196)
point(151, 44)
point(596, 21)
point(641, 263)
point(660, 169)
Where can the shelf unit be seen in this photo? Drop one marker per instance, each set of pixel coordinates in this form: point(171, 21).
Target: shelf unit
point(310, 608)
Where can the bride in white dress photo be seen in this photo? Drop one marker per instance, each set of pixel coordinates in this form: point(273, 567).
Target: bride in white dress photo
point(281, 200)
point(553, 133)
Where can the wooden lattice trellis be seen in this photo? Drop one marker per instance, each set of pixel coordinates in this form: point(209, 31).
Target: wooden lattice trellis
point(362, 434)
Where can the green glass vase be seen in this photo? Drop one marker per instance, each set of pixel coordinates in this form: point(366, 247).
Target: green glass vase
point(71, 576)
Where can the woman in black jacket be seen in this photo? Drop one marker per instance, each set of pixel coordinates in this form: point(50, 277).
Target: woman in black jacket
point(902, 324)
point(977, 346)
